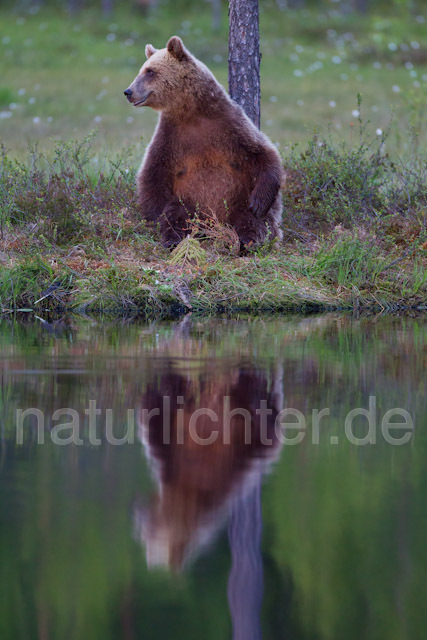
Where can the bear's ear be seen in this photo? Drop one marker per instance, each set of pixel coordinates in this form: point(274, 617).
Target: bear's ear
point(175, 46)
point(149, 50)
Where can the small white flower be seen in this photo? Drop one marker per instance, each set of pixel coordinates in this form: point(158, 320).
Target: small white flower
point(392, 46)
point(36, 120)
point(12, 106)
point(299, 48)
point(336, 60)
point(413, 74)
point(377, 65)
point(409, 65)
point(344, 76)
point(298, 73)
point(129, 42)
point(415, 44)
point(21, 92)
point(31, 100)
point(111, 37)
point(425, 77)
point(129, 120)
point(6, 40)
point(273, 98)
point(5, 114)
point(49, 119)
point(97, 119)
point(355, 113)
point(420, 19)
point(332, 103)
point(395, 88)
point(379, 132)
point(217, 58)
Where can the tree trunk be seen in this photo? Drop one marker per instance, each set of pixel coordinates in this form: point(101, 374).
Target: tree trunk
point(361, 5)
point(107, 8)
point(244, 57)
point(245, 583)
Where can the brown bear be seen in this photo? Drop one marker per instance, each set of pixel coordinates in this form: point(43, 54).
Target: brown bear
point(206, 157)
point(201, 474)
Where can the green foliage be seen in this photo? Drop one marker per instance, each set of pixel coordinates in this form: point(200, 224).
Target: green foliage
point(350, 261)
point(6, 96)
point(329, 185)
point(67, 196)
point(188, 251)
point(24, 286)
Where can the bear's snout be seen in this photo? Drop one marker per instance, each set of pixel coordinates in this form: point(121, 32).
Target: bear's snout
point(128, 94)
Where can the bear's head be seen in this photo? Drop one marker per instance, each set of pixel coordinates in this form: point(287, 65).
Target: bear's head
point(169, 80)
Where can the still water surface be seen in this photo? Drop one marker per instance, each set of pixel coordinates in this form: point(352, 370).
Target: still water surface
point(262, 532)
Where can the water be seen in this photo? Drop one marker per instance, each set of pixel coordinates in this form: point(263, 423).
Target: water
point(266, 532)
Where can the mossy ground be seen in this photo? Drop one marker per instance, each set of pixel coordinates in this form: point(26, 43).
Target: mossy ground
point(72, 239)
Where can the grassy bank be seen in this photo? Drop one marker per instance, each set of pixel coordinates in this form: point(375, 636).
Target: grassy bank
point(71, 238)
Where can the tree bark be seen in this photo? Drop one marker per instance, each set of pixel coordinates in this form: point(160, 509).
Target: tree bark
point(361, 5)
point(107, 7)
point(244, 57)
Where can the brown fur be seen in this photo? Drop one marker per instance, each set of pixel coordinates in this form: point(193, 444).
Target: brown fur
point(206, 155)
point(197, 483)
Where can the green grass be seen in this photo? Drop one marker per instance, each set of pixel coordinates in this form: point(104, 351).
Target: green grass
point(71, 238)
point(65, 75)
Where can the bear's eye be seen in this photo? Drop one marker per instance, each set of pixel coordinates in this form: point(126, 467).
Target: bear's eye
point(149, 72)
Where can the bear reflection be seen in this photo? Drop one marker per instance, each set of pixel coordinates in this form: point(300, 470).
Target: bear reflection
point(198, 483)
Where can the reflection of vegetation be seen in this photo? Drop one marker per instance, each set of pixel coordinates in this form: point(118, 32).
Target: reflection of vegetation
point(344, 526)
